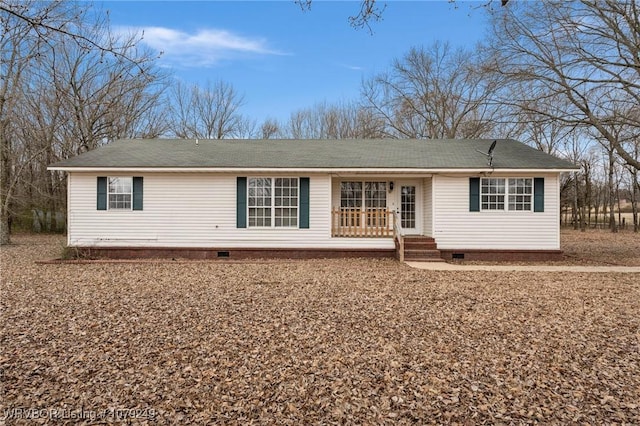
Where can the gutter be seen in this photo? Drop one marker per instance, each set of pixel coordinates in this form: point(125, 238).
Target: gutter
point(487, 171)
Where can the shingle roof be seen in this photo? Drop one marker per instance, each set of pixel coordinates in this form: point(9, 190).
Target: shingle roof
point(334, 154)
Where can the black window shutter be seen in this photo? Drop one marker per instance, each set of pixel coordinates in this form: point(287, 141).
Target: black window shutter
point(474, 194)
point(241, 202)
point(102, 193)
point(137, 192)
point(304, 202)
point(538, 195)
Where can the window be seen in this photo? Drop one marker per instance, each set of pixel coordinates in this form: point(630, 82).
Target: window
point(351, 195)
point(120, 193)
point(375, 199)
point(286, 202)
point(353, 198)
point(513, 194)
point(520, 191)
point(273, 202)
point(374, 195)
point(492, 194)
point(260, 196)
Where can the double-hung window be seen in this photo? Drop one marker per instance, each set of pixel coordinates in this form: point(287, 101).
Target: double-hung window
point(520, 194)
point(512, 194)
point(493, 192)
point(273, 202)
point(120, 193)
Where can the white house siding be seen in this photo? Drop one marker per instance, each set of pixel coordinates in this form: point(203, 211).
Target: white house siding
point(196, 210)
point(427, 207)
point(457, 228)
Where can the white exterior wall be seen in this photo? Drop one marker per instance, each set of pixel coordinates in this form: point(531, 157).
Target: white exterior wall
point(455, 227)
point(196, 210)
point(427, 207)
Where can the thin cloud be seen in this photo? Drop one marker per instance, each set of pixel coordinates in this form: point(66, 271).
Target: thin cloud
point(352, 67)
point(202, 48)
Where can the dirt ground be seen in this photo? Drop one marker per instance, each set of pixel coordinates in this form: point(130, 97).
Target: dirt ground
point(316, 342)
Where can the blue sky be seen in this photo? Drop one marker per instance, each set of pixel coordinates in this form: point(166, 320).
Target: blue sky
point(281, 58)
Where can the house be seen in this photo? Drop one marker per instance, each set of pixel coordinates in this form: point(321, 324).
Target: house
point(315, 198)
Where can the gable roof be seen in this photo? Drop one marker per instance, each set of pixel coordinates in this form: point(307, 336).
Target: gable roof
point(272, 154)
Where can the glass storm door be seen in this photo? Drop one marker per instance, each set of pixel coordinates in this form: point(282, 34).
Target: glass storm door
point(408, 211)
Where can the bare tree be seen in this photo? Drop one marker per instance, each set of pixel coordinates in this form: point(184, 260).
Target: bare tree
point(434, 93)
point(208, 112)
point(67, 86)
point(372, 11)
point(369, 11)
point(346, 120)
point(104, 99)
point(585, 52)
point(269, 128)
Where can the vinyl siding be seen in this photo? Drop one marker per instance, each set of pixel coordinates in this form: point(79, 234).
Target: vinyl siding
point(196, 210)
point(457, 228)
point(427, 207)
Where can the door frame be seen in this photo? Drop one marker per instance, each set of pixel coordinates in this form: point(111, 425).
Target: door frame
point(396, 196)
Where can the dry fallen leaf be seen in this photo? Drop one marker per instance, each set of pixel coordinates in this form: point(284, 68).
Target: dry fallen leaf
point(318, 341)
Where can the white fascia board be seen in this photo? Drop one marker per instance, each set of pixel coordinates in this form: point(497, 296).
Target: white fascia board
point(299, 170)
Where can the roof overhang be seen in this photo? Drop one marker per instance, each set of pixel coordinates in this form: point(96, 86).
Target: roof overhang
point(300, 170)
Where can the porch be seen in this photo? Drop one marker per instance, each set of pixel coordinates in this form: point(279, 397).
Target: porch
point(380, 206)
point(397, 209)
point(383, 223)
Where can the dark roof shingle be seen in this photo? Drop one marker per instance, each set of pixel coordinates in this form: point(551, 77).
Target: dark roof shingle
point(325, 153)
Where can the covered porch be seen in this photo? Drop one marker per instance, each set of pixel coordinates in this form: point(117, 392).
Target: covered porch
point(380, 206)
point(398, 208)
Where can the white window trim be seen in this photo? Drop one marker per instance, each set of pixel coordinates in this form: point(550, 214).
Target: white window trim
point(273, 202)
point(506, 195)
point(109, 208)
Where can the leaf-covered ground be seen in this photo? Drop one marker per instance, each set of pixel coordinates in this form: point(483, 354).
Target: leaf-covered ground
point(600, 246)
point(322, 341)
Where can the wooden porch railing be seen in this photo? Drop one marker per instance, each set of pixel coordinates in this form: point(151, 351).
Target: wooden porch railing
point(369, 223)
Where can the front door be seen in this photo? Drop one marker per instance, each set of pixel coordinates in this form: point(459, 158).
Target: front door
point(409, 207)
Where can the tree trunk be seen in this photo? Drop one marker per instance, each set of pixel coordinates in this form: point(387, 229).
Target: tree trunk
point(575, 211)
point(5, 187)
point(635, 194)
point(588, 193)
point(596, 206)
point(620, 218)
point(612, 199)
point(5, 232)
